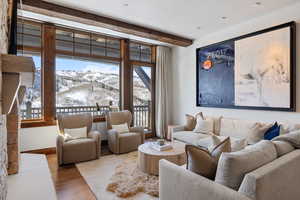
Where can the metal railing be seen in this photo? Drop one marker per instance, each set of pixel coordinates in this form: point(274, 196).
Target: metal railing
point(141, 113)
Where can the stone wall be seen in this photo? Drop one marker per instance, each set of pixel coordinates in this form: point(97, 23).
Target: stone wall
point(3, 131)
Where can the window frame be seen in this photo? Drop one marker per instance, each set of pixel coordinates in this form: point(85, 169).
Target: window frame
point(124, 60)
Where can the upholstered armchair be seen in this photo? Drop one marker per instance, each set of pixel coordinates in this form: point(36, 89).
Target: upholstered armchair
point(81, 149)
point(123, 142)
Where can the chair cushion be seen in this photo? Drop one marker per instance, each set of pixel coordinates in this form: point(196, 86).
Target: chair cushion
point(79, 150)
point(129, 141)
point(188, 137)
point(232, 167)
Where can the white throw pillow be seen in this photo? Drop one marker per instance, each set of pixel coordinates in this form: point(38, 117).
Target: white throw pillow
point(121, 128)
point(76, 133)
point(205, 126)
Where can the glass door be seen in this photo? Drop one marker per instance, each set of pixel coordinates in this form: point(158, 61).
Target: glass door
point(142, 96)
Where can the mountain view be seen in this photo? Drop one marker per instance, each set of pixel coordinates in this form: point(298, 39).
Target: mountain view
point(86, 85)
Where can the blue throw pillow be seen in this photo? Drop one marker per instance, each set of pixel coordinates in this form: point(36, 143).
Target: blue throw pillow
point(272, 132)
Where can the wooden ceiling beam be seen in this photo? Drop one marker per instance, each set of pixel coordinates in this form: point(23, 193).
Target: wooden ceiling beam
point(54, 10)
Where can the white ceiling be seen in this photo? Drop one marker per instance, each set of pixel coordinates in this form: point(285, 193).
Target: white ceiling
point(180, 17)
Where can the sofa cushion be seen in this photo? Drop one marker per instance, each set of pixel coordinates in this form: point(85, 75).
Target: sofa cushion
point(235, 128)
point(282, 147)
point(188, 137)
point(232, 167)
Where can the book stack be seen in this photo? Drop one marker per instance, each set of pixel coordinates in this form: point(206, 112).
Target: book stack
point(158, 147)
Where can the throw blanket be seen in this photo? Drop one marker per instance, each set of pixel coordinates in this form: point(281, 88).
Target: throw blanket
point(293, 138)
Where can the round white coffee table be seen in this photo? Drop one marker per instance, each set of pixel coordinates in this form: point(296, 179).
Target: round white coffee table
point(148, 158)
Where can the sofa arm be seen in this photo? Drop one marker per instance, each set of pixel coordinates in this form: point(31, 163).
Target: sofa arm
point(113, 140)
point(138, 130)
point(177, 129)
point(177, 183)
point(95, 135)
point(59, 146)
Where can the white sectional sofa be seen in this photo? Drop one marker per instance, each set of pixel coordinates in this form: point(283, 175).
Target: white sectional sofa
point(278, 179)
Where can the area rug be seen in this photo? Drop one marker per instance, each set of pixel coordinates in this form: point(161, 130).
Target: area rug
point(128, 179)
point(100, 173)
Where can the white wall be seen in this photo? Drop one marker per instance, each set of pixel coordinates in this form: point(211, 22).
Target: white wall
point(184, 70)
point(45, 137)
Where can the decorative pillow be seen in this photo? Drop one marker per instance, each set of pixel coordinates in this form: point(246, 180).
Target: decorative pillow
point(272, 132)
point(203, 162)
point(191, 121)
point(282, 147)
point(67, 137)
point(205, 126)
point(232, 167)
point(75, 133)
point(256, 133)
point(121, 128)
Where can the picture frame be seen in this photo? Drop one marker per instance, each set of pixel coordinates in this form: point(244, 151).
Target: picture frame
point(221, 84)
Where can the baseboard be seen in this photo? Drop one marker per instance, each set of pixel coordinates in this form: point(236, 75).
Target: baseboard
point(46, 151)
point(52, 150)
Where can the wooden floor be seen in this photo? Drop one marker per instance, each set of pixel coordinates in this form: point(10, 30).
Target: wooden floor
point(69, 183)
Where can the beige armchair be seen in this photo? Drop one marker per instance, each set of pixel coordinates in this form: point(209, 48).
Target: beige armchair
point(77, 150)
point(124, 142)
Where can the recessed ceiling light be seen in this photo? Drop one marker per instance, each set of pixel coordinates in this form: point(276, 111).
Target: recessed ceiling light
point(224, 17)
point(125, 4)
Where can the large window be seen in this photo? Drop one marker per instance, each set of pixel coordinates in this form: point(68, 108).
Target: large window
point(29, 44)
point(87, 80)
point(142, 96)
point(79, 72)
point(86, 85)
point(140, 52)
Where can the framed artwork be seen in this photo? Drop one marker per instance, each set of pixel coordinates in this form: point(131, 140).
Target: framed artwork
point(254, 71)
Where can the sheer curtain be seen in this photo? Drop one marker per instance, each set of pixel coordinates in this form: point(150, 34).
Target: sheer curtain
point(163, 64)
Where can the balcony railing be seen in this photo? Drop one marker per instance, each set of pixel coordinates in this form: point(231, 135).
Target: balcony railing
point(141, 116)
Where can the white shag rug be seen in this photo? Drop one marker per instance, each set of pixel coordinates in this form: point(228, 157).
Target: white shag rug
point(98, 174)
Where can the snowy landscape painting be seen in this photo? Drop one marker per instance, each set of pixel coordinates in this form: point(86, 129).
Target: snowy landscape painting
point(262, 70)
